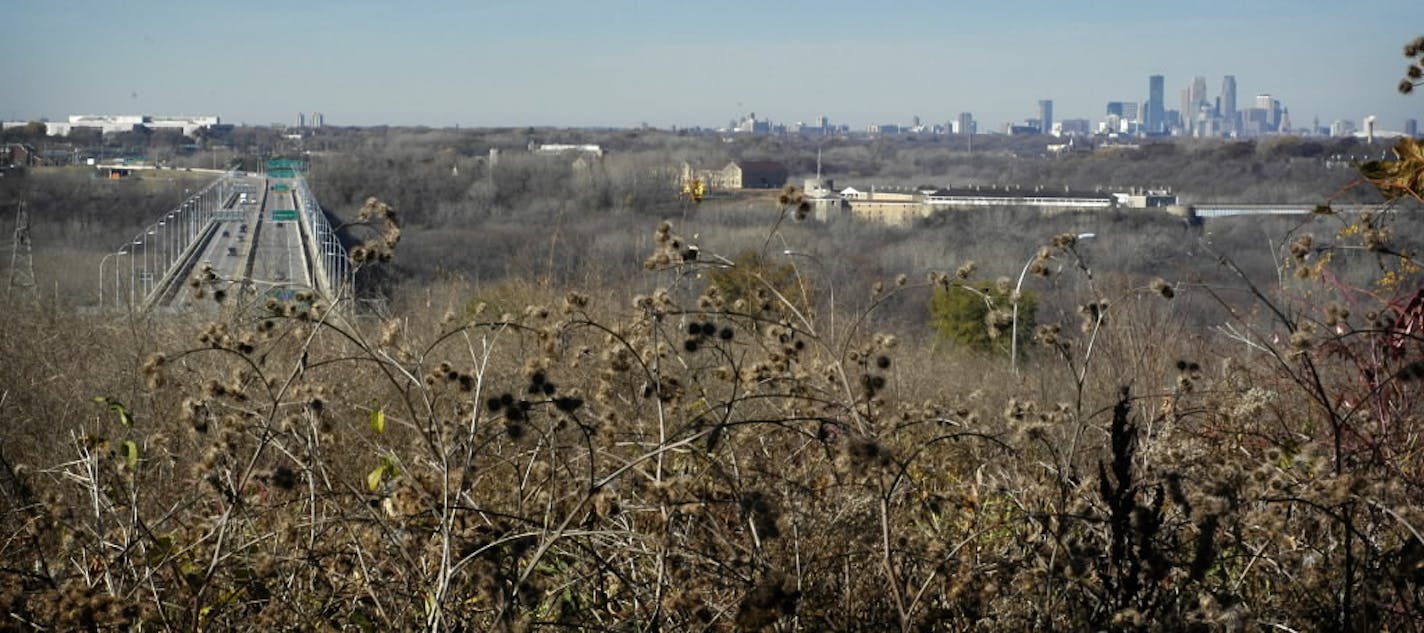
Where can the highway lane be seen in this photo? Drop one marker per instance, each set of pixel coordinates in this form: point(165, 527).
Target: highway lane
point(277, 258)
point(247, 248)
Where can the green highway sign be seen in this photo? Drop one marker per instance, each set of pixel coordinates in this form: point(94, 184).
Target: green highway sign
point(284, 215)
point(286, 163)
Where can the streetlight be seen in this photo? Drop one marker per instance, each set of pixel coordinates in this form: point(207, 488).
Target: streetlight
point(175, 236)
point(101, 274)
point(185, 227)
point(133, 269)
point(149, 263)
point(163, 257)
point(832, 287)
point(117, 296)
point(1014, 333)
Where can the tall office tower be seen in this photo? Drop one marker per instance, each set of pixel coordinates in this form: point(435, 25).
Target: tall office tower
point(965, 123)
point(317, 119)
point(301, 119)
point(1228, 97)
point(1198, 92)
point(1272, 109)
point(1193, 101)
point(1156, 108)
point(1186, 110)
point(1411, 128)
point(1045, 115)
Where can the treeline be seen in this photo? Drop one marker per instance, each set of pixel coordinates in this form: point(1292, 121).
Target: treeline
point(512, 214)
point(73, 206)
point(567, 218)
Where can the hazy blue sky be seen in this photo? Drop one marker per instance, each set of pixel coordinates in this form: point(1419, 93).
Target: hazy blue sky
point(621, 62)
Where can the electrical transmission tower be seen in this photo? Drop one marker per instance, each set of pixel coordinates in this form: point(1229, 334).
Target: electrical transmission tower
point(22, 260)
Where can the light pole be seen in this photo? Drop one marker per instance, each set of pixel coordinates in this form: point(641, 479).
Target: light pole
point(832, 287)
point(163, 250)
point(1014, 333)
point(101, 274)
point(133, 268)
point(173, 237)
point(117, 296)
point(149, 263)
point(185, 234)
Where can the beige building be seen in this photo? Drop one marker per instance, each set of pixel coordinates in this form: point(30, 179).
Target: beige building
point(894, 209)
point(738, 175)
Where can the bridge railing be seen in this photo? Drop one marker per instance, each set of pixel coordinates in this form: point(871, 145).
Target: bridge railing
point(158, 250)
point(334, 275)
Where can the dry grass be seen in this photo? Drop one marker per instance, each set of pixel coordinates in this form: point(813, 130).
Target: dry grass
point(520, 455)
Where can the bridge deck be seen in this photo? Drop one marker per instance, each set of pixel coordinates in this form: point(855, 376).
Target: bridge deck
point(247, 248)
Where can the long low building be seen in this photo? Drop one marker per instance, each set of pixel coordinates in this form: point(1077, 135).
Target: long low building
point(1019, 197)
point(118, 123)
point(902, 209)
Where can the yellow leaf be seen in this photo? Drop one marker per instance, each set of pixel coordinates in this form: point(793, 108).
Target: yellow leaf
point(125, 418)
point(130, 451)
point(378, 421)
point(373, 480)
point(391, 464)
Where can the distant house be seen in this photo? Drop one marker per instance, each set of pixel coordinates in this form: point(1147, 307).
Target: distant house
point(738, 175)
point(20, 154)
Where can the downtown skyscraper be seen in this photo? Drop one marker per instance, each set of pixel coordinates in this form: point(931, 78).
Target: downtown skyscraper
point(1195, 108)
point(1156, 116)
point(1226, 108)
point(1228, 97)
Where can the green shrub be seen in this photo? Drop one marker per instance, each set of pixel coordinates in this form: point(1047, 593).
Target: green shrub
point(761, 284)
point(980, 316)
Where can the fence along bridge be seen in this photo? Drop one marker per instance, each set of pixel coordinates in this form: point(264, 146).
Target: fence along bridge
point(260, 234)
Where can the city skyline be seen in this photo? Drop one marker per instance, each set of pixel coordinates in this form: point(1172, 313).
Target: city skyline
point(619, 64)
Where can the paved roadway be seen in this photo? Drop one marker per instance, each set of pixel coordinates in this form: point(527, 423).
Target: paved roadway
point(247, 244)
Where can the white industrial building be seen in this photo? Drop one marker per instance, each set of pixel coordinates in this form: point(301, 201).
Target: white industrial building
point(117, 123)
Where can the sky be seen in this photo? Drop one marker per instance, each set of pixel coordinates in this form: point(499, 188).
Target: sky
point(621, 63)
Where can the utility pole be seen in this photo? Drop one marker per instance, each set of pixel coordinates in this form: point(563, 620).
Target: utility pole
point(22, 261)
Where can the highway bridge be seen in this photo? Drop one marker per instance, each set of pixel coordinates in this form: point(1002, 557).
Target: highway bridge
point(1222, 210)
point(245, 237)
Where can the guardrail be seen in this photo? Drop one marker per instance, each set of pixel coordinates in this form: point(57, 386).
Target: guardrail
point(333, 274)
point(159, 249)
point(204, 207)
